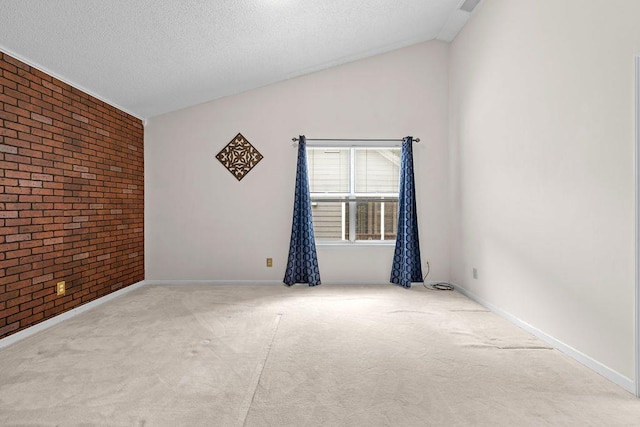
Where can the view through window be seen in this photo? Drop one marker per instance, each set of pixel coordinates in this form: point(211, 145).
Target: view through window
point(354, 193)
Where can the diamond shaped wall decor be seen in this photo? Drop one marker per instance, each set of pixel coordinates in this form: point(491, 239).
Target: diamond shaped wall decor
point(239, 156)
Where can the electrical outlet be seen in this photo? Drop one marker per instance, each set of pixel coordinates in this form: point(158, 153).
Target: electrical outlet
point(475, 273)
point(61, 288)
point(269, 262)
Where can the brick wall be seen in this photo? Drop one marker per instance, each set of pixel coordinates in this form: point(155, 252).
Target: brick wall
point(71, 197)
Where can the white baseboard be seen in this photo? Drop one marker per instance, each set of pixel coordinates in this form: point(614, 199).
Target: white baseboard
point(254, 282)
point(213, 282)
point(354, 283)
point(610, 374)
point(379, 283)
point(11, 339)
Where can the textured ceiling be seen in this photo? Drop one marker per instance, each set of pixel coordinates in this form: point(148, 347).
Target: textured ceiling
point(149, 57)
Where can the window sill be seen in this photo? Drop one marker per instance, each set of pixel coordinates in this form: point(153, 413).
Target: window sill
point(381, 243)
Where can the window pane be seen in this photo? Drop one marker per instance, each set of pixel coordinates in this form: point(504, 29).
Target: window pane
point(328, 170)
point(368, 221)
point(369, 217)
point(390, 220)
point(330, 220)
point(377, 170)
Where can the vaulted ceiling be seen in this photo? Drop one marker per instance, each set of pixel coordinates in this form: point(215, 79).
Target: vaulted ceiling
point(150, 57)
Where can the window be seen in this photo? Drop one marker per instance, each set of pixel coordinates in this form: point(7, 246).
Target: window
point(354, 193)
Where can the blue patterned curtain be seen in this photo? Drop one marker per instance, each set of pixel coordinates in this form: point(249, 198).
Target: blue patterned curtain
point(407, 266)
point(302, 266)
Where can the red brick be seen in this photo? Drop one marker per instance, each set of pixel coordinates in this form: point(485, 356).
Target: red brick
point(17, 301)
point(80, 118)
point(30, 168)
point(29, 183)
point(54, 241)
point(19, 316)
point(18, 221)
point(58, 214)
point(8, 99)
point(83, 255)
point(18, 237)
point(43, 206)
point(8, 182)
point(7, 165)
point(18, 206)
point(18, 174)
point(39, 118)
point(30, 153)
point(6, 330)
point(17, 111)
point(8, 263)
point(28, 137)
point(29, 199)
point(17, 254)
point(41, 279)
point(35, 318)
point(8, 149)
point(31, 303)
point(41, 177)
point(18, 268)
point(17, 190)
point(51, 86)
point(18, 285)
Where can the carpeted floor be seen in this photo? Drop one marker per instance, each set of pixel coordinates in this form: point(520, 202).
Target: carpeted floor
point(277, 356)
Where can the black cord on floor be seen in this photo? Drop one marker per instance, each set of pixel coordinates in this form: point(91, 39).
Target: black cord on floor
point(440, 286)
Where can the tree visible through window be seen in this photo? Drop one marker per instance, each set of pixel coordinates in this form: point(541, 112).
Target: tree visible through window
point(354, 193)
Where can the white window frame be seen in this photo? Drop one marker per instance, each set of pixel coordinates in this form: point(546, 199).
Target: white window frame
point(352, 197)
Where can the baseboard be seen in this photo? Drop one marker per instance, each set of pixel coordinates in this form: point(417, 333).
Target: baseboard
point(213, 282)
point(11, 339)
point(379, 283)
point(610, 374)
point(253, 282)
point(354, 283)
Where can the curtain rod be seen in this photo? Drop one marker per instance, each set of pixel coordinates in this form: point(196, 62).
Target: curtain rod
point(356, 139)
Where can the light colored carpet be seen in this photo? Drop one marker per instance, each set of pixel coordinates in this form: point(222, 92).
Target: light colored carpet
point(277, 356)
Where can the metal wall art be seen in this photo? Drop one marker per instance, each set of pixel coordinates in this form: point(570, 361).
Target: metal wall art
point(239, 156)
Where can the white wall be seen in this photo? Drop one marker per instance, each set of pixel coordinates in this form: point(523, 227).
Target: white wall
point(203, 224)
point(542, 147)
